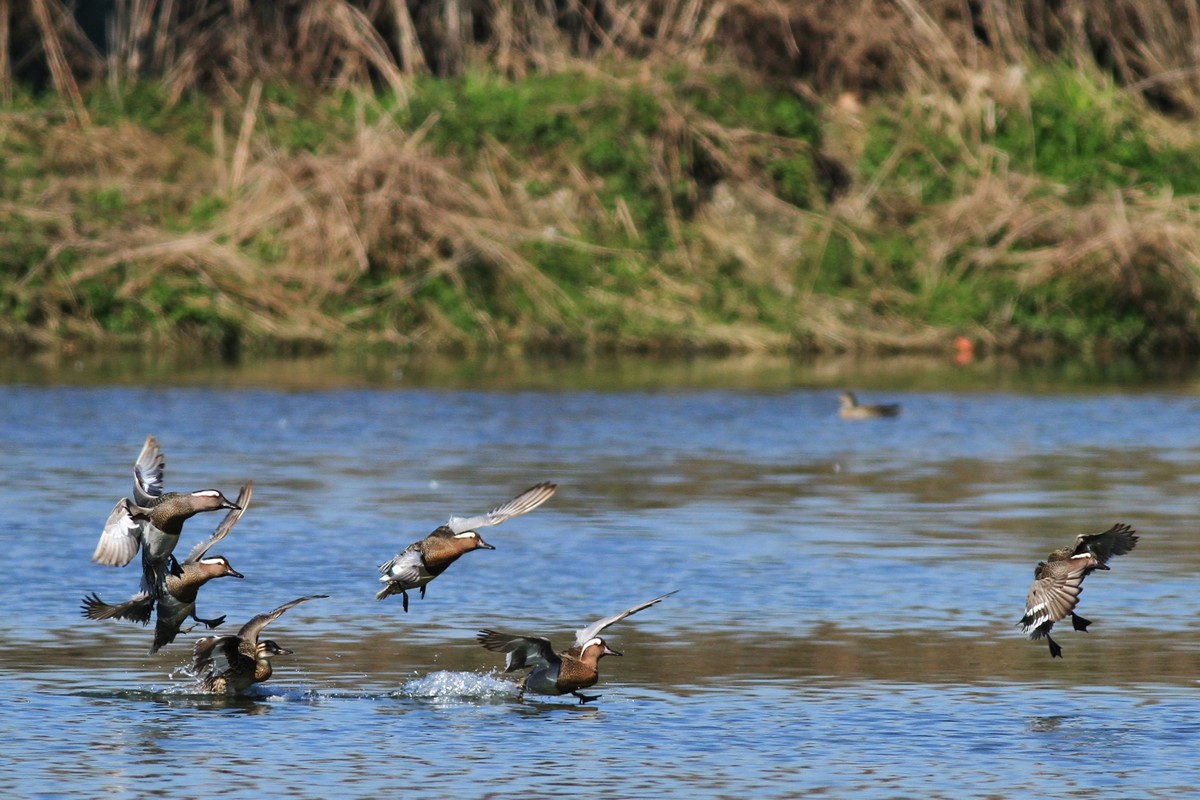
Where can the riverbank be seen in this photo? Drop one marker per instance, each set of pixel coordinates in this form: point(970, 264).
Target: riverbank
point(889, 377)
point(694, 201)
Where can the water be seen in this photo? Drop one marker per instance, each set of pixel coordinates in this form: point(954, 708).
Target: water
point(844, 625)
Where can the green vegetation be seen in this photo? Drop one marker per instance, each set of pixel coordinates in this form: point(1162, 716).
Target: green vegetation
point(692, 197)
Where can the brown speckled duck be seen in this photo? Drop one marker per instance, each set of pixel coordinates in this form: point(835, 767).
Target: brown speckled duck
point(1058, 581)
point(424, 560)
point(850, 408)
point(232, 664)
point(565, 672)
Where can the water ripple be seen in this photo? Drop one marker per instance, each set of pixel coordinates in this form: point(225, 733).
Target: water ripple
point(844, 625)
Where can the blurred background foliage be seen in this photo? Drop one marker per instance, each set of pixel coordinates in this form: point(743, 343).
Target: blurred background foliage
point(601, 175)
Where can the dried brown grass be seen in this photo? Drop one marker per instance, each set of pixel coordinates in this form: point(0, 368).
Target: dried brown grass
point(873, 46)
point(384, 213)
point(864, 46)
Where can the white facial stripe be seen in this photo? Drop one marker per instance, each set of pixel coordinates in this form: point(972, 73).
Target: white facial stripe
point(466, 535)
point(207, 493)
point(213, 560)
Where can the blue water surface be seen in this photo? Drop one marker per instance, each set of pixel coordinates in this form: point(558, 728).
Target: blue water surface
point(844, 624)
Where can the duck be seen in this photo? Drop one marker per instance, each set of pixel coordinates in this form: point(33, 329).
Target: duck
point(1058, 581)
point(850, 408)
point(232, 664)
point(176, 597)
point(563, 672)
point(152, 520)
point(423, 560)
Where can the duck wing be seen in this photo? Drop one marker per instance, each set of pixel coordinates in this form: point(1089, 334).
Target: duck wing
point(215, 655)
point(523, 503)
point(135, 609)
point(521, 651)
point(225, 527)
point(1054, 594)
point(584, 634)
point(148, 473)
point(1116, 541)
point(405, 567)
point(122, 534)
point(251, 629)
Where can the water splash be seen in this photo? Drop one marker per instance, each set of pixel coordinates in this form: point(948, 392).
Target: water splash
point(184, 670)
point(445, 685)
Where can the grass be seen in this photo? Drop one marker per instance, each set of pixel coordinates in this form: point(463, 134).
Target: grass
point(670, 185)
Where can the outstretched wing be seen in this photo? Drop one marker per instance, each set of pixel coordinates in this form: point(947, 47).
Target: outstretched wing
point(251, 629)
point(121, 536)
point(135, 609)
point(225, 527)
point(523, 503)
point(522, 651)
point(584, 634)
point(148, 473)
point(1116, 541)
point(1054, 594)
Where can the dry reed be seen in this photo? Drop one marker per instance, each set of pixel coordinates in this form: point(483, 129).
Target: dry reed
point(358, 231)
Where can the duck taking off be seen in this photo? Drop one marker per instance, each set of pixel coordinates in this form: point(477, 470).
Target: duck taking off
point(153, 520)
point(564, 672)
point(232, 664)
point(424, 560)
point(176, 595)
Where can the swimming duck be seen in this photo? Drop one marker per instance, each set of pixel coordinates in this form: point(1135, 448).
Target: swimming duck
point(424, 560)
point(231, 664)
point(176, 597)
point(1058, 580)
point(153, 520)
point(564, 672)
point(850, 409)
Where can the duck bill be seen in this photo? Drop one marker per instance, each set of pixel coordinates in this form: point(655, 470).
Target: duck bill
point(482, 545)
point(283, 651)
point(608, 651)
point(233, 573)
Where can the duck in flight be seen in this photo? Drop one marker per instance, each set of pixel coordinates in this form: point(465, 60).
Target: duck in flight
point(424, 560)
point(1058, 581)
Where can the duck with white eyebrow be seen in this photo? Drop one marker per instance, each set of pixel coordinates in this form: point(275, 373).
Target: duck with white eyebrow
point(153, 520)
point(231, 664)
point(424, 560)
point(176, 597)
point(564, 672)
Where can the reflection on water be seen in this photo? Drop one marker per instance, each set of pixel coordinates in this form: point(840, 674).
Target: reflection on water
point(1046, 724)
point(845, 622)
point(495, 372)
